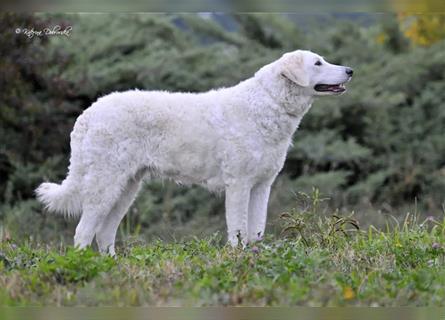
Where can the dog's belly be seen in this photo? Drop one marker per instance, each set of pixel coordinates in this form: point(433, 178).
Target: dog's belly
point(204, 175)
point(191, 162)
point(215, 164)
point(212, 183)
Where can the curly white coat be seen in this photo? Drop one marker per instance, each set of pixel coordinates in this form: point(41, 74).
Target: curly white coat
point(233, 139)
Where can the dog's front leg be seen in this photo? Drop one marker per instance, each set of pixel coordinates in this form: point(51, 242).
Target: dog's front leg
point(237, 206)
point(259, 197)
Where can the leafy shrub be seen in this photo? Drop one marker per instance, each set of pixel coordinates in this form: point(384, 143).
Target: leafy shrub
point(381, 142)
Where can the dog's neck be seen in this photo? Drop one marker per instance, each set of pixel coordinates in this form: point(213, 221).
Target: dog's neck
point(280, 109)
point(292, 98)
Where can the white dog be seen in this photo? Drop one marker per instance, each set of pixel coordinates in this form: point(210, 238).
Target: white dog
point(233, 139)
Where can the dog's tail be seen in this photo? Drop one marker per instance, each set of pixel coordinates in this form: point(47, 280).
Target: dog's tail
point(65, 198)
point(61, 198)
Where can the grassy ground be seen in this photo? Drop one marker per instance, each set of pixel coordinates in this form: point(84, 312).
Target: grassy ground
point(321, 262)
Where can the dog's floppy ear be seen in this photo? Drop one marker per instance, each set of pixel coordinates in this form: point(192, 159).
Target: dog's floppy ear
point(293, 68)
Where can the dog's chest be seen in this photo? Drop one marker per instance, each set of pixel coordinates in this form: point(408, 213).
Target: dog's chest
point(253, 159)
point(269, 159)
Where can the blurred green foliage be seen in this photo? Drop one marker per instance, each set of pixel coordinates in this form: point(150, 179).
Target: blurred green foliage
point(381, 142)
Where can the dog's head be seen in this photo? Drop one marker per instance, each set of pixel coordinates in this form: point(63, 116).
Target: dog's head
point(311, 73)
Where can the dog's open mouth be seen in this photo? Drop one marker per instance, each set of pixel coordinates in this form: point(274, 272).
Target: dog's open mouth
point(336, 88)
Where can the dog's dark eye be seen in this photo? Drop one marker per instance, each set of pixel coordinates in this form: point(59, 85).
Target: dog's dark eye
point(318, 63)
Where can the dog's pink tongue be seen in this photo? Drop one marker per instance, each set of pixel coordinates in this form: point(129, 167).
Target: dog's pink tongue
point(336, 88)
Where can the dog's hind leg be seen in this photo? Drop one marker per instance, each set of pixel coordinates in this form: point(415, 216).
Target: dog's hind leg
point(92, 217)
point(99, 197)
point(106, 233)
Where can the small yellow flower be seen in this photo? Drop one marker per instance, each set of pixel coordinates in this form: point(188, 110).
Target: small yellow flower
point(348, 293)
point(381, 38)
point(398, 245)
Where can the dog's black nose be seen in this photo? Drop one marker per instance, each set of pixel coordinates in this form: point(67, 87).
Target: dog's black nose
point(349, 71)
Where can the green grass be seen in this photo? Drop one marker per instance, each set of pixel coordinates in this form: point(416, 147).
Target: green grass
point(319, 263)
point(319, 259)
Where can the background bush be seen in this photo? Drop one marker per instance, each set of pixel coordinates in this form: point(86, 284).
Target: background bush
point(379, 145)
